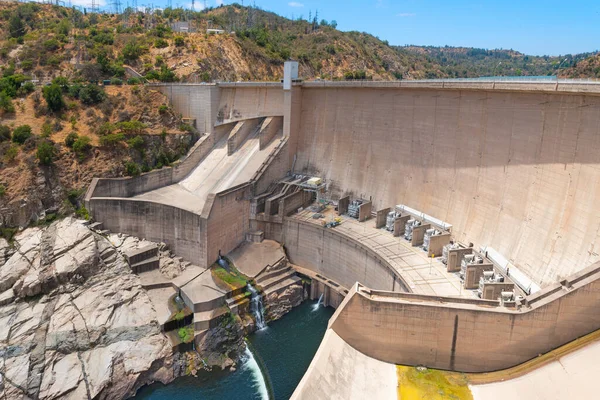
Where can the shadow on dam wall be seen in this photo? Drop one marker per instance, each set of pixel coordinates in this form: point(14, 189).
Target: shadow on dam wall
point(514, 170)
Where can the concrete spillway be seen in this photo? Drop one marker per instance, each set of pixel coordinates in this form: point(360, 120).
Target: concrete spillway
point(217, 172)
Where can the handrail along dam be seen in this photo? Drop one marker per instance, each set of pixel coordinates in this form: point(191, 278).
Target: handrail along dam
point(512, 166)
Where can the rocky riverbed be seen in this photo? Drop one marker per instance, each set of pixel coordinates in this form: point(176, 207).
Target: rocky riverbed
point(75, 323)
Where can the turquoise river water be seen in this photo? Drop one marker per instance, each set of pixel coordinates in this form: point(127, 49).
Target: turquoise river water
point(285, 348)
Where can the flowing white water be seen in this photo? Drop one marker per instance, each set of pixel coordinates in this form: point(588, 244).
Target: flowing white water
point(256, 307)
point(259, 381)
point(315, 307)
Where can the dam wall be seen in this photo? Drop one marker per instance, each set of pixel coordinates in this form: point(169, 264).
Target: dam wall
point(337, 256)
point(468, 335)
point(509, 165)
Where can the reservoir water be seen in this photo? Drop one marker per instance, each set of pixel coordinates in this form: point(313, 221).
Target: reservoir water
point(285, 348)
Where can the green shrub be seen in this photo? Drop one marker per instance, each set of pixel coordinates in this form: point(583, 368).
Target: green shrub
point(45, 152)
point(132, 169)
point(82, 213)
point(136, 142)
point(152, 75)
point(91, 94)
point(51, 44)
point(21, 134)
point(82, 145)
point(4, 133)
point(186, 334)
point(112, 139)
point(163, 108)
point(63, 82)
point(70, 139)
point(132, 51)
point(179, 41)
point(186, 128)
point(2, 190)
point(161, 43)
point(6, 103)
point(116, 81)
point(205, 76)
point(131, 127)
point(46, 130)
point(11, 153)
point(26, 64)
point(133, 81)
point(166, 74)
point(53, 96)
point(26, 88)
point(105, 129)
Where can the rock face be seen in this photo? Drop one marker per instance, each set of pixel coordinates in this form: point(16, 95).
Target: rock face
point(222, 345)
point(277, 304)
point(75, 323)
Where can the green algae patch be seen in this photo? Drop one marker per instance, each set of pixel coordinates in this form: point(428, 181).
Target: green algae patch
point(430, 384)
point(228, 278)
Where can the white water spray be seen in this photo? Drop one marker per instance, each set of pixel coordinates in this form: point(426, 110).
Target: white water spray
point(259, 380)
point(315, 307)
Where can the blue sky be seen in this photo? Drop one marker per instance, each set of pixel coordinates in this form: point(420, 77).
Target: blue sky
point(531, 26)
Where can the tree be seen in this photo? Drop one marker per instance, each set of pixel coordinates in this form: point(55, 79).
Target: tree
point(81, 146)
point(21, 134)
point(70, 139)
point(333, 24)
point(6, 103)
point(53, 97)
point(132, 51)
point(46, 152)
point(91, 94)
point(4, 133)
point(16, 27)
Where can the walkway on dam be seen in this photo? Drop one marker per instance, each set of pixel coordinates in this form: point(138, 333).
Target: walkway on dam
point(422, 274)
point(215, 173)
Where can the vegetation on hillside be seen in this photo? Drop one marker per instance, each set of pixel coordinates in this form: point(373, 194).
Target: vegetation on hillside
point(464, 62)
point(44, 41)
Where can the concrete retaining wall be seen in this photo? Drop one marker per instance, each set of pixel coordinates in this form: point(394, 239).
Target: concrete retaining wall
point(239, 133)
point(468, 335)
point(183, 231)
point(336, 256)
point(228, 220)
point(269, 128)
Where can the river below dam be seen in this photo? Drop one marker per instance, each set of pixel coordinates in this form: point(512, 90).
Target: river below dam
point(285, 348)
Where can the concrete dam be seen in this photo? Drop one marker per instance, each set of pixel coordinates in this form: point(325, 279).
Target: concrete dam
point(506, 171)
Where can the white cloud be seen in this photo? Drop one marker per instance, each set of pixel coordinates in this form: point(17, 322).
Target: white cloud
point(295, 4)
point(405, 15)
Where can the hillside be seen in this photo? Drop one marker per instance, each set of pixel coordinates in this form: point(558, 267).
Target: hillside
point(588, 67)
point(467, 62)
